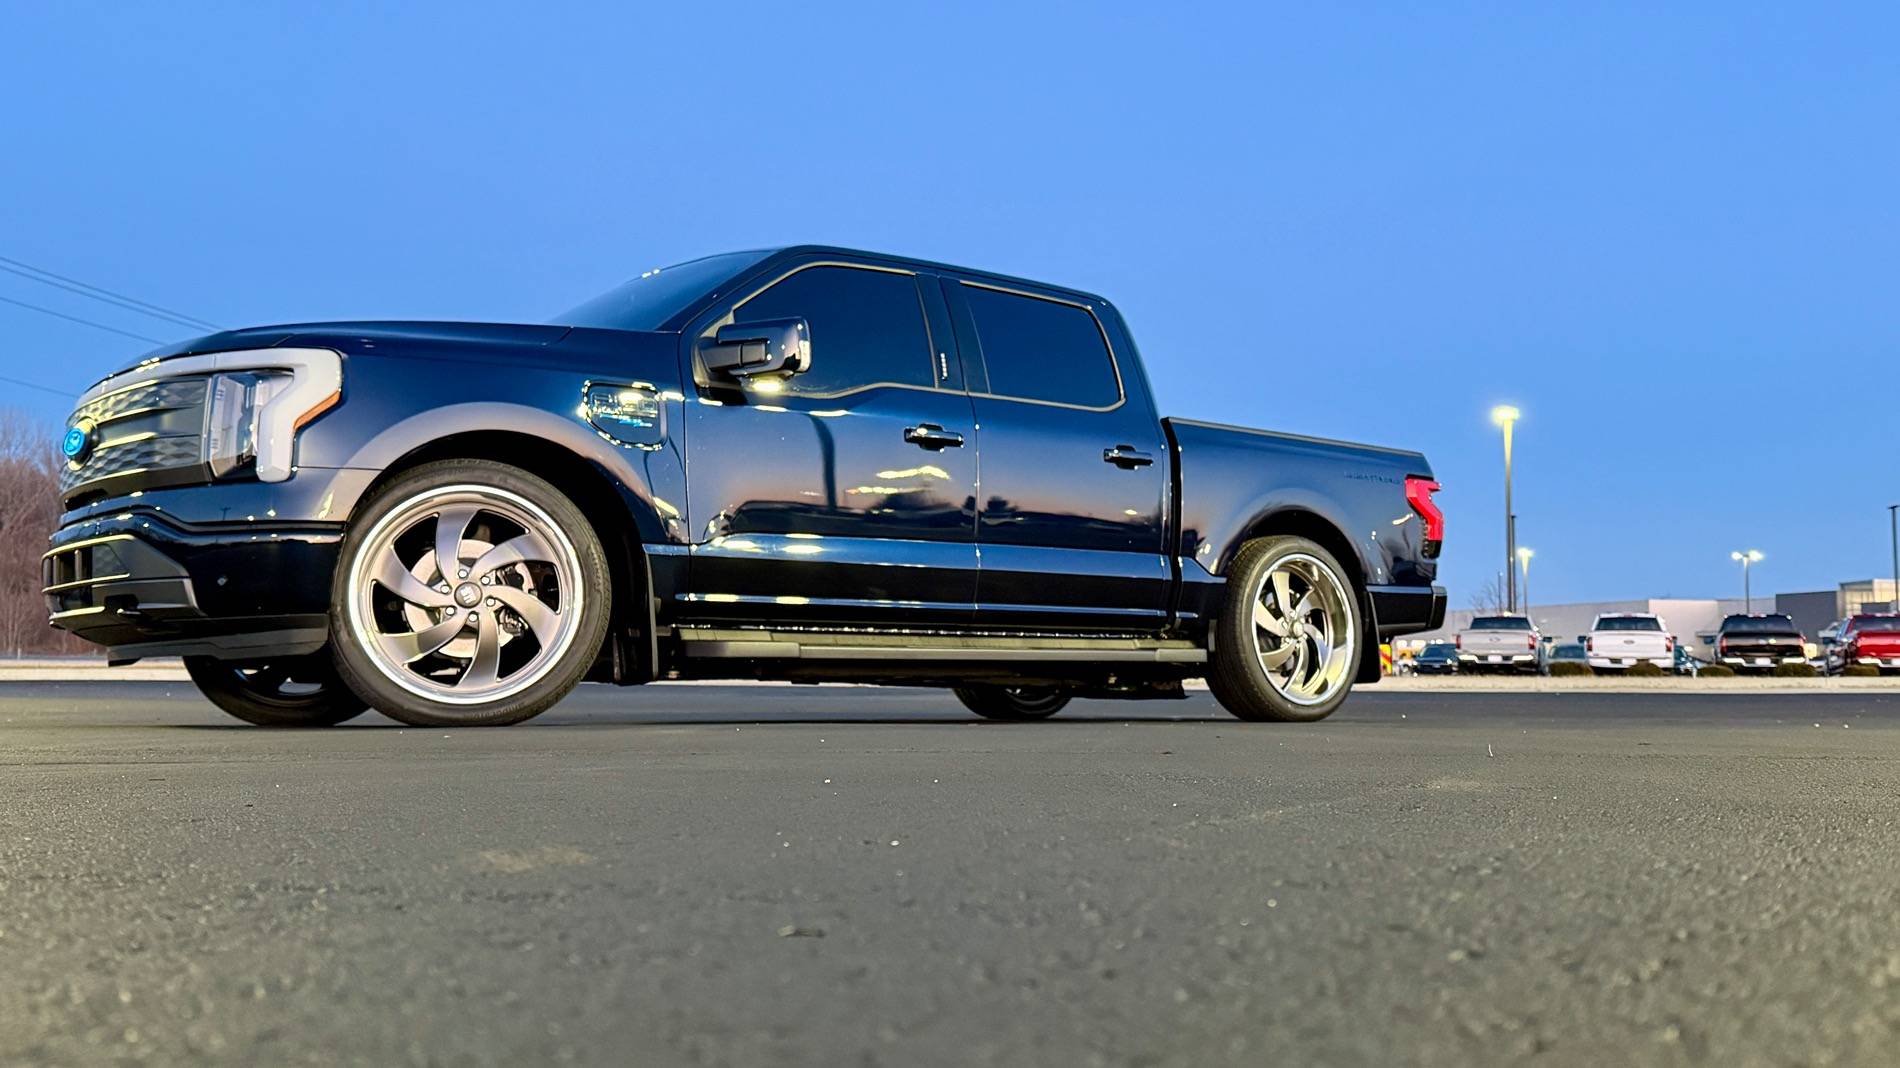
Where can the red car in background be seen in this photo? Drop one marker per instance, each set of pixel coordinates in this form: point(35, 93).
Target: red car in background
point(1872, 640)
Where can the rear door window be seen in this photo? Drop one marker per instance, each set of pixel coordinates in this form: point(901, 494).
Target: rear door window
point(1043, 350)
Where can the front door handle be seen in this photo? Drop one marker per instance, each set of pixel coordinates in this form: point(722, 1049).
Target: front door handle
point(933, 437)
point(1126, 457)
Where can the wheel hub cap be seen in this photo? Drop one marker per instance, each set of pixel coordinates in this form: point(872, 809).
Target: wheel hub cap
point(468, 595)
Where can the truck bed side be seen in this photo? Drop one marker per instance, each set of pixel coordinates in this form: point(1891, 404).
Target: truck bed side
point(1235, 483)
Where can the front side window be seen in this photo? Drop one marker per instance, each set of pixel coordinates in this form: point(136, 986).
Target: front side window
point(1042, 350)
point(867, 327)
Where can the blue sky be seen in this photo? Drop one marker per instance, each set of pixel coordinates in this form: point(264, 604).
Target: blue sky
point(1662, 234)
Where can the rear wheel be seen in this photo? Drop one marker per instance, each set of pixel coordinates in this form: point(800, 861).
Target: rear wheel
point(1012, 702)
point(1287, 648)
point(298, 691)
point(469, 593)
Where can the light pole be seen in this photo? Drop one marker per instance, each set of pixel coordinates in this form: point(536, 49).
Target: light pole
point(1524, 561)
point(1893, 524)
point(1746, 558)
point(1506, 416)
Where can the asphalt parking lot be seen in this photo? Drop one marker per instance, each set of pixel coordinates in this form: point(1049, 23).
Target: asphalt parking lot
point(779, 875)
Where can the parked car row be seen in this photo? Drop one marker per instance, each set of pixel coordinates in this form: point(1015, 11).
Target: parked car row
point(1618, 641)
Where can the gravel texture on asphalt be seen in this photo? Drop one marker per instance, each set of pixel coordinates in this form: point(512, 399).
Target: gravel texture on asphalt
point(787, 875)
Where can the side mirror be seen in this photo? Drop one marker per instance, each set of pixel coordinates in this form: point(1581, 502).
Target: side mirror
point(1583, 638)
point(769, 346)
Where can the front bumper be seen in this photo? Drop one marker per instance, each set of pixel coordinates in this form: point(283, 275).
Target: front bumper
point(143, 584)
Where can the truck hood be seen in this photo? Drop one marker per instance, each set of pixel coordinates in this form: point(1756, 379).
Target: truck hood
point(518, 342)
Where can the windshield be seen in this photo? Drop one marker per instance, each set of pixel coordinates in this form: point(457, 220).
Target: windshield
point(1628, 623)
point(1438, 652)
point(1500, 623)
point(649, 301)
point(1777, 625)
point(1568, 652)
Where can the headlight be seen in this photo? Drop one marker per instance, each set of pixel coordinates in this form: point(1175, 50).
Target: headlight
point(258, 400)
point(237, 403)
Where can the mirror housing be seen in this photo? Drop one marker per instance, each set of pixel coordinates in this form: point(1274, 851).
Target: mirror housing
point(766, 347)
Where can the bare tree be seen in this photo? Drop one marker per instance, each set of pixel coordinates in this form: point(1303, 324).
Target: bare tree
point(29, 509)
point(1489, 598)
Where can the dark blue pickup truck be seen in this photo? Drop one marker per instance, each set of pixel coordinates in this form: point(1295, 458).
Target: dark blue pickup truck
point(807, 464)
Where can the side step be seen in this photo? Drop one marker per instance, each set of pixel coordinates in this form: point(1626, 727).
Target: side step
point(781, 645)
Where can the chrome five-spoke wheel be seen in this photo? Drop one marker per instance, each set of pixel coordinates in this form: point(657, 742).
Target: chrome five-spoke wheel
point(1288, 647)
point(464, 595)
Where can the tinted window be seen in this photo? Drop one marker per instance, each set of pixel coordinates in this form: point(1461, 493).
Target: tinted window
point(646, 302)
point(1776, 625)
point(1500, 623)
point(1568, 652)
point(1628, 623)
point(867, 327)
point(1878, 625)
point(1438, 652)
point(1042, 349)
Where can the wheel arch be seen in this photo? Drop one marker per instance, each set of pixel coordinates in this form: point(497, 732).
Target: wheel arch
point(1309, 524)
point(628, 653)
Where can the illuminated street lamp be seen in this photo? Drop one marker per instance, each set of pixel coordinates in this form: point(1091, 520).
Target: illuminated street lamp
point(1506, 416)
point(1746, 558)
point(1524, 562)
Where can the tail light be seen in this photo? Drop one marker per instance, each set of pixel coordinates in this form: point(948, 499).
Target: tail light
point(1457, 641)
point(1532, 642)
point(1418, 494)
point(1589, 645)
point(1721, 646)
point(1669, 645)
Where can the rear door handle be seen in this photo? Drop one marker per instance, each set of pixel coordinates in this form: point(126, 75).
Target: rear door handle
point(933, 437)
point(1126, 457)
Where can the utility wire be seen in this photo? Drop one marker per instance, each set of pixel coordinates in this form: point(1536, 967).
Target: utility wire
point(85, 322)
point(100, 293)
point(23, 383)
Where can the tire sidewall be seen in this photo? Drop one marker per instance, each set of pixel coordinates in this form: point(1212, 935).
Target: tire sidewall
point(1238, 680)
point(360, 671)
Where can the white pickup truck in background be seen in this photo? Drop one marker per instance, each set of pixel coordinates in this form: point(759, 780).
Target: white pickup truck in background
point(1500, 643)
point(1618, 641)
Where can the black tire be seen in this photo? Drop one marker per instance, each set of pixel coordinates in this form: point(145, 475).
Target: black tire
point(1018, 703)
point(1236, 674)
point(548, 682)
point(302, 691)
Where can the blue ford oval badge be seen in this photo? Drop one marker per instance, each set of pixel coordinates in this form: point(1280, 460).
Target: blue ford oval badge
point(78, 442)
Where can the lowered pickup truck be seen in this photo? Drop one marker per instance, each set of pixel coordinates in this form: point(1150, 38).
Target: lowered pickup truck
point(807, 464)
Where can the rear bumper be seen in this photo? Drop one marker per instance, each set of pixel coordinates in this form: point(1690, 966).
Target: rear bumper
point(1667, 663)
point(140, 584)
point(1407, 609)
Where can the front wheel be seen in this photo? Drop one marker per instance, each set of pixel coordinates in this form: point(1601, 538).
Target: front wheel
point(468, 593)
point(298, 691)
point(1287, 646)
point(1012, 702)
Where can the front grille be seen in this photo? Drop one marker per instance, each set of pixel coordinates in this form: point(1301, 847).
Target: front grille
point(151, 433)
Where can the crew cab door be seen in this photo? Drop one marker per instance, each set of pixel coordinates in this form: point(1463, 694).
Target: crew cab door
point(1075, 469)
point(845, 493)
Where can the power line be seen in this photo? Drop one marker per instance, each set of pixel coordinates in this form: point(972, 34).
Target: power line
point(84, 322)
point(100, 293)
point(23, 383)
